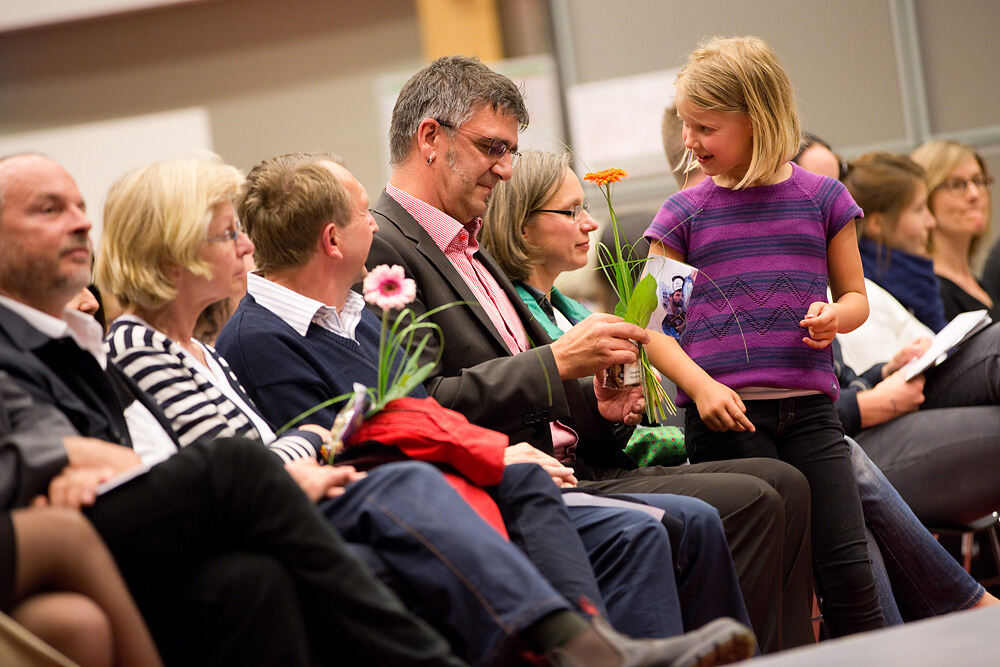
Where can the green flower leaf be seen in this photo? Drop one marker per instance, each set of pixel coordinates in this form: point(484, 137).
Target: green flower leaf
point(642, 303)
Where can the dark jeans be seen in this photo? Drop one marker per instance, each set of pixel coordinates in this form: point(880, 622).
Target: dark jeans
point(764, 506)
point(806, 432)
point(187, 517)
point(925, 579)
point(620, 560)
point(970, 376)
point(443, 559)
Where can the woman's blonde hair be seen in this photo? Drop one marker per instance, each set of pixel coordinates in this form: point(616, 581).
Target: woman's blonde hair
point(883, 183)
point(743, 75)
point(512, 207)
point(940, 158)
point(156, 217)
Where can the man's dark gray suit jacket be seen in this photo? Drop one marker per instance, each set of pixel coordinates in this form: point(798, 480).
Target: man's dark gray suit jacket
point(57, 372)
point(516, 394)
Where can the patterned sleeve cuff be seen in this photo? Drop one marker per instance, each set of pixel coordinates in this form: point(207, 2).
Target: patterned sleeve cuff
point(297, 444)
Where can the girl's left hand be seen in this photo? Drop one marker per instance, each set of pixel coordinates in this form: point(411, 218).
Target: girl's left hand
point(821, 320)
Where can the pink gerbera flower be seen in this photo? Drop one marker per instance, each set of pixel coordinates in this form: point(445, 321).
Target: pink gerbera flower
point(388, 287)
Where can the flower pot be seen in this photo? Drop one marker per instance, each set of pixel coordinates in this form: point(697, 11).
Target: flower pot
point(621, 376)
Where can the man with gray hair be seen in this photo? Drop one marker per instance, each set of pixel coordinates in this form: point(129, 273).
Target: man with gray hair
point(453, 136)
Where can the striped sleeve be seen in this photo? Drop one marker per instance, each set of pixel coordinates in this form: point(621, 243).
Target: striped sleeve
point(195, 407)
point(297, 444)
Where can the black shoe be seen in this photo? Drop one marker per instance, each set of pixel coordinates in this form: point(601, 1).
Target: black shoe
point(721, 642)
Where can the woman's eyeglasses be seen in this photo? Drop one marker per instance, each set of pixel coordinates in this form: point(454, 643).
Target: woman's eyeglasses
point(228, 235)
point(574, 212)
point(958, 186)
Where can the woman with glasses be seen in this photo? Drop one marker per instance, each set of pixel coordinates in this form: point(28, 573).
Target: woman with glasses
point(166, 262)
point(537, 226)
point(958, 194)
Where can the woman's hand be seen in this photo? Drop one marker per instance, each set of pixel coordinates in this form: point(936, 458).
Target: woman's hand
point(721, 408)
point(892, 397)
point(821, 321)
point(523, 452)
point(917, 347)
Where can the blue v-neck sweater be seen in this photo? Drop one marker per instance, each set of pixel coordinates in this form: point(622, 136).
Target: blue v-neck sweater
point(286, 373)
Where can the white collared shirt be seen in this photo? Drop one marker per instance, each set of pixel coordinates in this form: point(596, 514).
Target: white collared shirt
point(149, 441)
point(82, 328)
point(299, 311)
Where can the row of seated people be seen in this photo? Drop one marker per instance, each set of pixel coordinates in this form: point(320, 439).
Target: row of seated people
point(217, 529)
point(172, 245)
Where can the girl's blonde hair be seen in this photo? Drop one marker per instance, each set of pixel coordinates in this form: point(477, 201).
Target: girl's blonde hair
point(742, 74)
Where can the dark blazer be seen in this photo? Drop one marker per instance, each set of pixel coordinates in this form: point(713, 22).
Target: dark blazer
point(478, 376)
point(56, 371)
point(31, 448)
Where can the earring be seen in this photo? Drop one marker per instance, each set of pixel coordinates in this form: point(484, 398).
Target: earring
point(430, 159)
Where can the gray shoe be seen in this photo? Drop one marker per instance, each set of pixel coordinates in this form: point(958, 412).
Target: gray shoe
point(721, 642)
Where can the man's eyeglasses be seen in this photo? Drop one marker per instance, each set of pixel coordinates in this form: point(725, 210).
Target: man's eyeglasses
point(574, 212)
point(958, 186)
point(496, 149)
point(229, 235)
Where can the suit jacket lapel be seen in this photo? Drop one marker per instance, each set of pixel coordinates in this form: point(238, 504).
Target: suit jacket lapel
point(396, 215)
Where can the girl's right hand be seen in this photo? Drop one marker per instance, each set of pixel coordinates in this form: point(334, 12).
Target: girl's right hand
point(721, 408)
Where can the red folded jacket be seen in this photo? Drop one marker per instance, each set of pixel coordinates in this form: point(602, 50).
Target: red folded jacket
point(470, 456)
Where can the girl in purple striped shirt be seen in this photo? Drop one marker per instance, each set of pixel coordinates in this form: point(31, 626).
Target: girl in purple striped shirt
point(767, 237)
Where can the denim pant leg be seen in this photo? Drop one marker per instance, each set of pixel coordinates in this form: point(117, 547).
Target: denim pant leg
point(707, 584)
point(886, 600)
point(539, 524)
point(632, 560)
point(484, 589)
point(926, 580)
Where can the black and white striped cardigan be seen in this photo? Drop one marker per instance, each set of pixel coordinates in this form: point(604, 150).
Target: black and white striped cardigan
point(189, 398)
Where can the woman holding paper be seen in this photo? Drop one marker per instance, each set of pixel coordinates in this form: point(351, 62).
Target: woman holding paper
point(934, 436)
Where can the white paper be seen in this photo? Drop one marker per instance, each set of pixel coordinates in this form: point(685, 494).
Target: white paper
point(956, 332)
point(121, 478)
point(581, 499)
point(674, 282)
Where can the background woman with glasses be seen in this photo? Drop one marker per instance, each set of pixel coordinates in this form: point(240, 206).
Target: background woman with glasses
point(958, 194)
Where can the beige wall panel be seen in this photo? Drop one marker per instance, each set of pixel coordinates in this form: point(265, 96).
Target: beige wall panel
point(275, 76)
point(961, 61)
point(839, 54)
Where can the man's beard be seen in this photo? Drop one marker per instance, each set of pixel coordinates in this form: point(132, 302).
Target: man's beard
point(33, 281)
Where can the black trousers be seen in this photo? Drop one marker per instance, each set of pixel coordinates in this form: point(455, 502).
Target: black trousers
point(806, 432)
point(231, 563)
point(764, 505)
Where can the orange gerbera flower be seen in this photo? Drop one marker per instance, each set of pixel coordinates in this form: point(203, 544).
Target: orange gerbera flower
point(605, 176)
